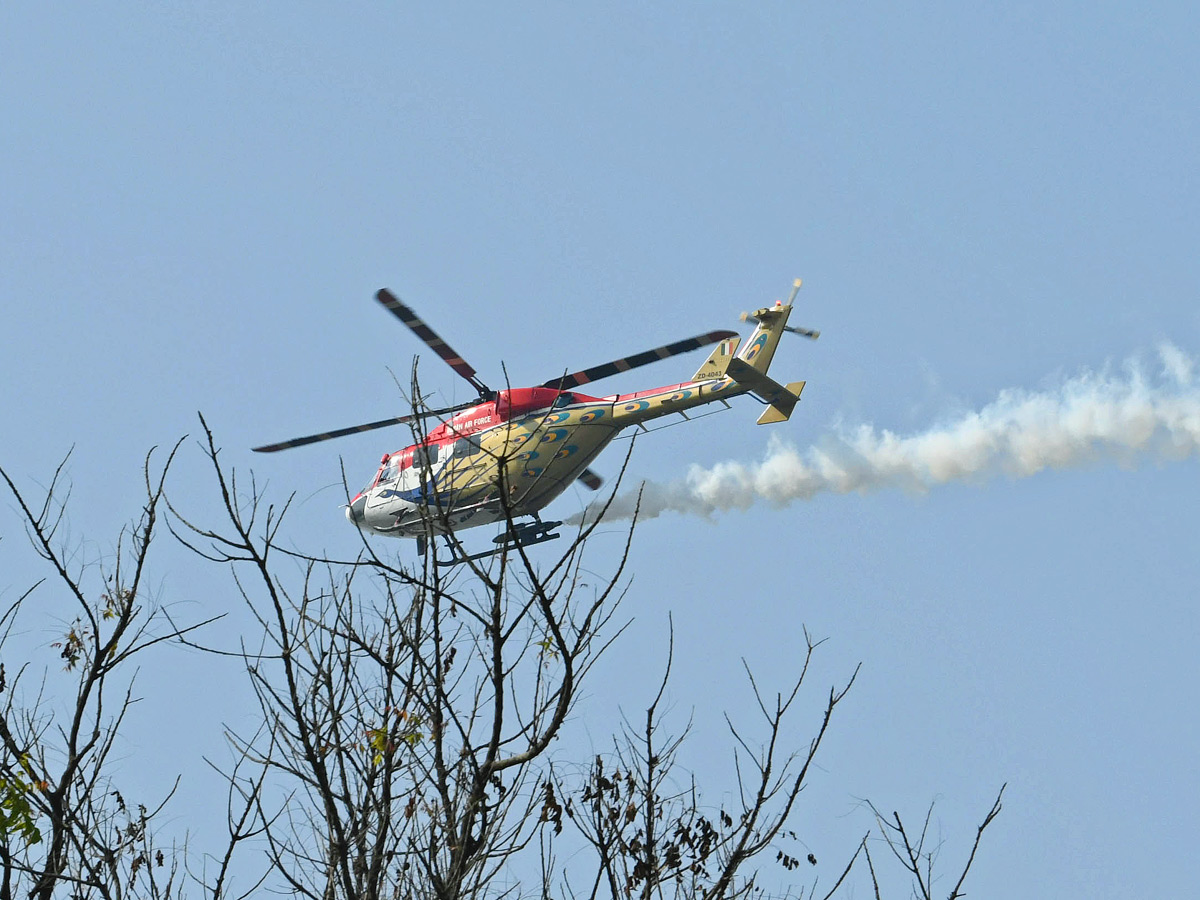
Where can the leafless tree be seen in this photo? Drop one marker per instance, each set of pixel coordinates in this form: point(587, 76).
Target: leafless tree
point(407, 742)
point(651, 839)
point(919, 857)
point(66, 826)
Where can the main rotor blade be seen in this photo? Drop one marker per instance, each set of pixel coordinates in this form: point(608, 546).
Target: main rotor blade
point(590, 480)
point(418, 327)
point(595, 373)
point(355, 429)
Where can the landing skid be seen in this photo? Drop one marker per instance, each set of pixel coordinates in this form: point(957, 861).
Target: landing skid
point(523, 534)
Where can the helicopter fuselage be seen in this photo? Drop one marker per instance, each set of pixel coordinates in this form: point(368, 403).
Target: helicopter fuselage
point(510, 457)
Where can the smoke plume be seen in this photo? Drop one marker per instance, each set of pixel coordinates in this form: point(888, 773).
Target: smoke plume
point(1122, 416)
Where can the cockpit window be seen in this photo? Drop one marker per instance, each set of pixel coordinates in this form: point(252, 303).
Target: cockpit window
point(563, 399)
point(390, 471)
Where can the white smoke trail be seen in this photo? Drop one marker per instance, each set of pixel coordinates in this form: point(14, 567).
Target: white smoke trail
point(1093, 417)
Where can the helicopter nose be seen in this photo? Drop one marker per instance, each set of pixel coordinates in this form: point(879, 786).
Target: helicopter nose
point(356, 511)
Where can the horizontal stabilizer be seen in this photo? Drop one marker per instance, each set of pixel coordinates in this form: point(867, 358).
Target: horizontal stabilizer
point(780, 410)
point(782, 399)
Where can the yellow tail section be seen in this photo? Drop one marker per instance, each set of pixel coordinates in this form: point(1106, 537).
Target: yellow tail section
point(749, 368)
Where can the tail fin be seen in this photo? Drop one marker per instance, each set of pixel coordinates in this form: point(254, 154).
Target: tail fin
point(772, 320)
point(718, 361)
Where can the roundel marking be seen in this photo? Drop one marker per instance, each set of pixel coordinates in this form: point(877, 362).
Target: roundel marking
point(555, 418)
point(637, 405)
point(755, 347)
point(680, 395)
point(533, 471)
point(526, 455)
point(591, 416)
point(554, 435)
point(566, 451)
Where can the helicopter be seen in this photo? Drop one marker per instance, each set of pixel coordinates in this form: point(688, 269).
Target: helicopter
point(505, 455)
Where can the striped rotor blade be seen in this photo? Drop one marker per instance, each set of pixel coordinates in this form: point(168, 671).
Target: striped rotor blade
point(595, 373)
point(355, 429)
point(590, 479)
point(418, 327)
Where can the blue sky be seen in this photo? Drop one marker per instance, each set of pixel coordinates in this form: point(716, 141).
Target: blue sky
point(198, 203)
